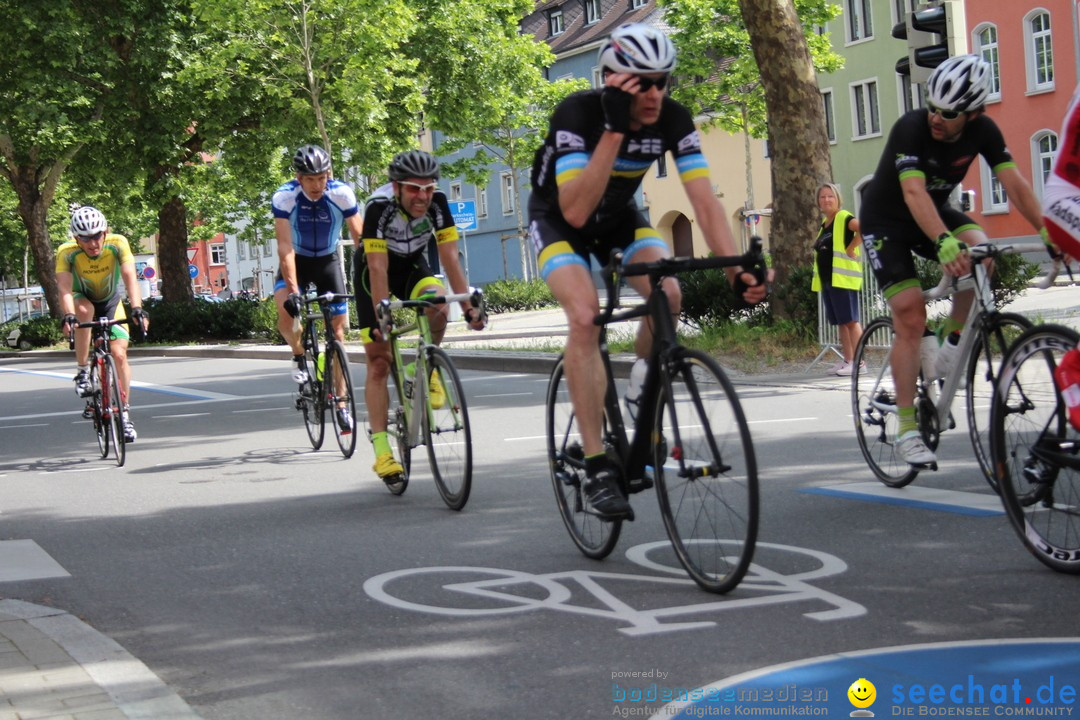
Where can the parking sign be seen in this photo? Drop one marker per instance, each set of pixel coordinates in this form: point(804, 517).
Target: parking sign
point(464, 212)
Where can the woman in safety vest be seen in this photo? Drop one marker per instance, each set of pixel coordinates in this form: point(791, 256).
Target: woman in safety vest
point(837, 260)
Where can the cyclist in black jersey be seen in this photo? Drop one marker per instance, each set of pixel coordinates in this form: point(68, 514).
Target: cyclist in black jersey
point(904, 210)
point(401, 219)
point(599, 145)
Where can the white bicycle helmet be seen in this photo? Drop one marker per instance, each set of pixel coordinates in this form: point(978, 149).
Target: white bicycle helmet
point(637, 48)
point(960, 83)
point(87, 221)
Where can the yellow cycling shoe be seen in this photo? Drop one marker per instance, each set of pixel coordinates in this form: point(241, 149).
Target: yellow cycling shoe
point(387, 467)
point(436, 391)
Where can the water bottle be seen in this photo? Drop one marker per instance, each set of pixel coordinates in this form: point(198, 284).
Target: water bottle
point(635, 386)
point(1067, 377)
point(928, 352)
point(319, 361)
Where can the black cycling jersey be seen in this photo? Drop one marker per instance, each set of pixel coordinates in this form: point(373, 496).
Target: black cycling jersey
point(574, 132)
point(911, 150)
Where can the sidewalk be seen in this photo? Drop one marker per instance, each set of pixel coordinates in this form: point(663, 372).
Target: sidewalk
point(53, 665)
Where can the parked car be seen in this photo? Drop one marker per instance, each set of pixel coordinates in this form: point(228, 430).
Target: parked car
point(14, 337)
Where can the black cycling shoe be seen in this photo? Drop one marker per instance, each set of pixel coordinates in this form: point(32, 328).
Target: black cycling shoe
point(604, 498)
point(88, 412)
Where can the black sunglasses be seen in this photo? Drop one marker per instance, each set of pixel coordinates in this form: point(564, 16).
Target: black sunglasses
point(945, 114)
point(646, 83)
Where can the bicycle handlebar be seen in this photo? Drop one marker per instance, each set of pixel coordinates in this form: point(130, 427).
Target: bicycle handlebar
point(983, 251)
point(102, 323)
point(752, 261)
point(383, 311)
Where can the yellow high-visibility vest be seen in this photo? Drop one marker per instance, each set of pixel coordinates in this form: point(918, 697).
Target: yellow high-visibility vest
point(846, 271)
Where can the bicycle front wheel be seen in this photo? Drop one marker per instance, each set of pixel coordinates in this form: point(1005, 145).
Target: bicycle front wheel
point(447, 433)
point(311, 402)
point(996, 334)
point(112, 403)
point(594, 536)
point(873, 404)
point(340, 401)
point(102, 428)
point(705, 472)
point(1035, 448)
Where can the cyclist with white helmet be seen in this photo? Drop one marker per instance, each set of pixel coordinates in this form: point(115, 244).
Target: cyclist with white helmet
point(905, 211)
point(402, 219)
point(309, 213)
point(599, 145)
point(89, 270)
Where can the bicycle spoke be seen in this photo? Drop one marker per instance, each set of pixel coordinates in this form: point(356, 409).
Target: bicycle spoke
point(447, 433)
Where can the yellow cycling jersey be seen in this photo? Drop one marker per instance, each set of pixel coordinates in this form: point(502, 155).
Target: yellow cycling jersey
point(96, 279)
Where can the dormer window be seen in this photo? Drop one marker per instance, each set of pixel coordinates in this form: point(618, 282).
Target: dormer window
point(555, 23)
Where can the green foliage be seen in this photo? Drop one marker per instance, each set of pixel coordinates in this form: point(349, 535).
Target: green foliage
point(709, 301)
point(40, 332)
point(800, 301)
point(510, 295)
point(199, 320)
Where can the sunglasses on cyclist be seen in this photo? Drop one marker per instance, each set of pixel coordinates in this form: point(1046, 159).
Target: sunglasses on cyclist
point(90, 238)
point(646, 83)
point(945, 114)
point(429, 187)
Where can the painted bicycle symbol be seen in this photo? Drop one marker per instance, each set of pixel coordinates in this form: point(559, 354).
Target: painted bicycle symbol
point(479, 591)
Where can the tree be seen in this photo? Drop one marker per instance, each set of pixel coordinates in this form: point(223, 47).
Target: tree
point(714, 47)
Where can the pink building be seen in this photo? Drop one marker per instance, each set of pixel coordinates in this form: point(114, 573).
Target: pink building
point(1032, 47)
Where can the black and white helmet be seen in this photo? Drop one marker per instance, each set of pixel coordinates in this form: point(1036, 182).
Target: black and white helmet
point(637, 48)
point(960, 83)
point(414, 163)
point(87, 221)
point(311, 160)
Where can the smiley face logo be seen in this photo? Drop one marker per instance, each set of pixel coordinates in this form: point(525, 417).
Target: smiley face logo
point(862, 694)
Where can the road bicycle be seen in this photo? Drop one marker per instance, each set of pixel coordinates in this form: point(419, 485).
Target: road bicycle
point(329, 383)
point(106, 400)
point(1036, 449)
point(690, 439)
point(414, 418)
point(986, 335)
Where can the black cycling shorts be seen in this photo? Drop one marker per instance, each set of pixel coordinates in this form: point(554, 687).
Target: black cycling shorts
point(322, 272)
point(406, 275)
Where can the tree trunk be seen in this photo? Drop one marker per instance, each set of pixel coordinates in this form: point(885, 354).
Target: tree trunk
point(33, 206)
point(798, 143)
point(172, 251)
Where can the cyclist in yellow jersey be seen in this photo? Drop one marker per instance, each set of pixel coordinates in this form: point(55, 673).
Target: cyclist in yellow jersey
point(89, 270)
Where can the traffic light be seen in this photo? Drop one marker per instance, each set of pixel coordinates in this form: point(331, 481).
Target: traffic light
point(934, 33)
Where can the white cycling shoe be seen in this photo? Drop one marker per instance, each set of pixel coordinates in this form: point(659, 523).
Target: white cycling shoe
point(913, 450)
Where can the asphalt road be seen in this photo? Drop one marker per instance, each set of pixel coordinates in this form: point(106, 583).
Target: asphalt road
point(260, 579)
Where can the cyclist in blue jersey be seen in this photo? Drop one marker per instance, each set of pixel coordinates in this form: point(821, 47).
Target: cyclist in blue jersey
point(599, 145)
point(309, 214)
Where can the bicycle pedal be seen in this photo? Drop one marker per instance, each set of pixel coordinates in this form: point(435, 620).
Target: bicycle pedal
point(566, 478)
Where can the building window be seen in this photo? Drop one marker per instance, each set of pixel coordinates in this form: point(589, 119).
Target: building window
point(911, 94)
point(592, 11)
point(555, 23)
point(506, 181)
point(902, 8)
point(266, 249)
point(864, 108)
point(635, 4)
point(1040, 51)
point(986, 47)
point(994, 199)
point(859, 23)
point(455, 191)
point(217, 253)
point(597, 78)
point(241, 246)
point(1044, 148)
point(830, 119)
point(481, 202)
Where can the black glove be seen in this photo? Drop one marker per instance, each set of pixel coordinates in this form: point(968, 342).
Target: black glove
point(67, 325)
point(138, 315)
point(292, 305)
point(616, 104)
point(740, 286)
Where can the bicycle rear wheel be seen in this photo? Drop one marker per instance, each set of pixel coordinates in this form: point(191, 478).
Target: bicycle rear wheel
point(311, 401)
point(873, 405)
point(397, 427)
point(705, 472)
point(447, 434)
point(996, 334)
point(1035, 448)
point(336, 374)
point(595, 538)
point(112, 403)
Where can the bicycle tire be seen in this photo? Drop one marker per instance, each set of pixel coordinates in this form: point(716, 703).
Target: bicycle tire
point(594, 537)
point(102, 428)
point(447, 433)
point(397, 427)
point(995, 334)
point(873, 393)
point(338, 361)
point(705, 471)
point(312, 401)
point(113, 407)
point(1035, 448)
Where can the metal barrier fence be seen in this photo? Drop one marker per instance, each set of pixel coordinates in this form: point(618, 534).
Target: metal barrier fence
point(871, 305)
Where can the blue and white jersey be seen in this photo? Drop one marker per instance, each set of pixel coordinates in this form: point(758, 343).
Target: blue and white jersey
point(316, 224)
